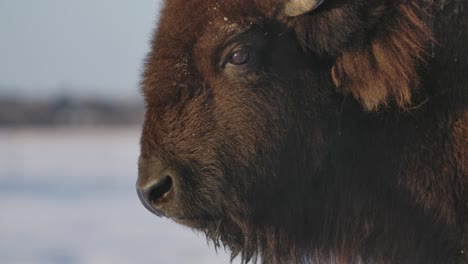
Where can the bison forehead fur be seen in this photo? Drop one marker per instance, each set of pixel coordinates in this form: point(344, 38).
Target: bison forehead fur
point(337, 135)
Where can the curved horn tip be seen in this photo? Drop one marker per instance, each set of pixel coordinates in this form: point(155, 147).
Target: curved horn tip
point(299, 7)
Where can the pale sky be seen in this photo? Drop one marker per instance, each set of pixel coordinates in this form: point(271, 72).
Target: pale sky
point(78, 46)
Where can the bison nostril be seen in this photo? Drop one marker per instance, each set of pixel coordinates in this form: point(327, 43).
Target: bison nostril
point(162, 187)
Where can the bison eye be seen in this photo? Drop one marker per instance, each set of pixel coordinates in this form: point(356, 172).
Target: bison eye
point(240, 57)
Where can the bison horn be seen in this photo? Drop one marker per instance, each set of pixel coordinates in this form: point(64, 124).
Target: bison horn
point(299, 7)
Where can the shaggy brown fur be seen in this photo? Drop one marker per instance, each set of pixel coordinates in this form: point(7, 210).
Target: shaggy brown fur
point(341, 139)
point(389, 67)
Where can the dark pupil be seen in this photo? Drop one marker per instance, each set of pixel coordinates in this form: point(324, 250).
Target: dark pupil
point(240, 57)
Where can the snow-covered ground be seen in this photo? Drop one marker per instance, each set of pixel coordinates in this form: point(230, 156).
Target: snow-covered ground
point(67, 197)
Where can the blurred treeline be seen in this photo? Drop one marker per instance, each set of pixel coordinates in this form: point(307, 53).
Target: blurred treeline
point(68, 110)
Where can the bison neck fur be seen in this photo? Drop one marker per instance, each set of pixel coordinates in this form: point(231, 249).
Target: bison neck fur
point(338, 136)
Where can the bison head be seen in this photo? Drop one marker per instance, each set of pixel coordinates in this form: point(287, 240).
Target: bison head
point(243, 103)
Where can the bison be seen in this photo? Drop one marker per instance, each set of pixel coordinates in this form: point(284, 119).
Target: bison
point(311, 131)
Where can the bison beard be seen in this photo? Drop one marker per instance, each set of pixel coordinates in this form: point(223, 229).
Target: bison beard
point(303, 131)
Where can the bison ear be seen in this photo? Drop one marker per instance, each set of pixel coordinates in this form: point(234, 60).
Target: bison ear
point(387, 68)
point(299, 7)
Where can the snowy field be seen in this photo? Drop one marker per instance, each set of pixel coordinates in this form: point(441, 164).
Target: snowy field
point(67, 197)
